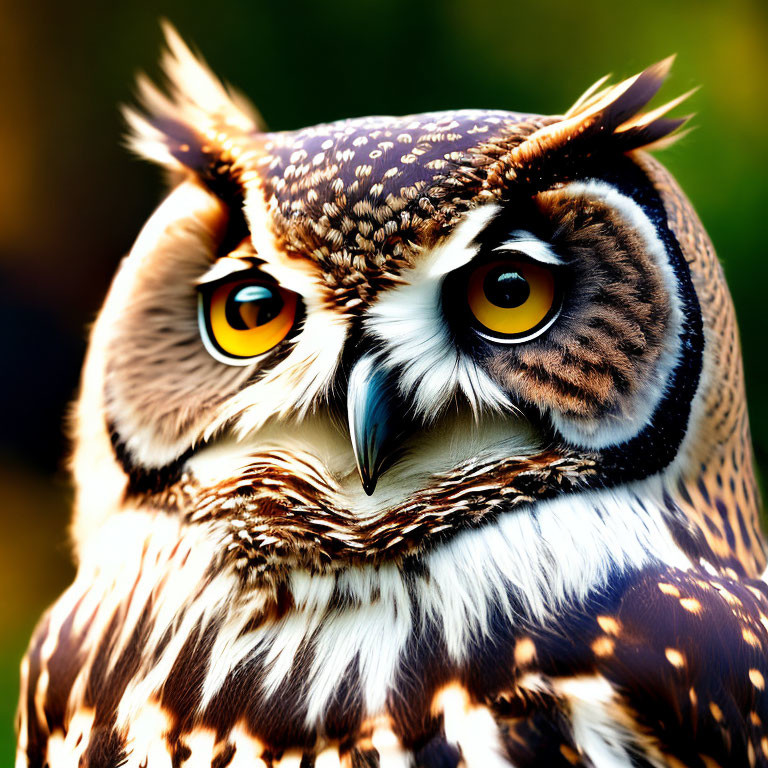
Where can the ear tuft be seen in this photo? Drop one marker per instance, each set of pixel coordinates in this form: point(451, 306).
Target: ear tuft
point(605, 119)
point(188, 126)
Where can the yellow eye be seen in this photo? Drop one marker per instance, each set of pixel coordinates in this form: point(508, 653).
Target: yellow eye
point(513, 299)
point(242, 319)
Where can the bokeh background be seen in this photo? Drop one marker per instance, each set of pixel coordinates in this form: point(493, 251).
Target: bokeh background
point(72, 199)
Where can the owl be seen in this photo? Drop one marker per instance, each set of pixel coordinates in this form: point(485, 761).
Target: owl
point(414, 441)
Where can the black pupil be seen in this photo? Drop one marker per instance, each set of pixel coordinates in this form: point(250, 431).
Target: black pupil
point(505, 287)
point(253, 305)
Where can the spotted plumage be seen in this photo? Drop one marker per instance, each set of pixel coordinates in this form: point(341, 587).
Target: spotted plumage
point(411, 441)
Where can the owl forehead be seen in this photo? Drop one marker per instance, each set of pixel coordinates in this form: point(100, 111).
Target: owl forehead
point(362, 197)
point(359, 199)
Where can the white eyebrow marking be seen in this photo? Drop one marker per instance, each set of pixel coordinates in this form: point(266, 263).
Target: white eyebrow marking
point(232, 264)
point(525, 242)
point(224, 267)
point(459, 249)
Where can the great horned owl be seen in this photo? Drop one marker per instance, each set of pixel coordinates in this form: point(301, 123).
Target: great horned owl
point(411, 441)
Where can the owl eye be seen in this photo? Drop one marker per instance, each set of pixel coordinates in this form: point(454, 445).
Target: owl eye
point(242, 319)
point(512, 300)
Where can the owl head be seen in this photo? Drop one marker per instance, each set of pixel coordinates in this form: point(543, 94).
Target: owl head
point(348, 343)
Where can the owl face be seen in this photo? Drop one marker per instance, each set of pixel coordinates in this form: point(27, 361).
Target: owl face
point(355, 340)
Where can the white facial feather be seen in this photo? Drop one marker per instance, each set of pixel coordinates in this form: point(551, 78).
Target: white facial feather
point(452, 439)
point(526, 243)
point(409, 323)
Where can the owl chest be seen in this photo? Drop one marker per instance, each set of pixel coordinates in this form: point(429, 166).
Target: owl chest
point(371, 683)
point(478, 651)
point(374, 683)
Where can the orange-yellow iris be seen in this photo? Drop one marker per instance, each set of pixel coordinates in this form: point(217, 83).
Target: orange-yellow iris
point(248, 318)
point(510, 297)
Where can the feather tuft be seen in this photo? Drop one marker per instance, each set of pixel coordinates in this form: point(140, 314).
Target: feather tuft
point(604, 119)
point(195, 120)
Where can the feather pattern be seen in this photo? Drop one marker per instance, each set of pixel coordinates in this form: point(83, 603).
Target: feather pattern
point(604, 120)
point(562, 563)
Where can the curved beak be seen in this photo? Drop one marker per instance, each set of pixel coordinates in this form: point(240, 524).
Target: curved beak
point(370, 398)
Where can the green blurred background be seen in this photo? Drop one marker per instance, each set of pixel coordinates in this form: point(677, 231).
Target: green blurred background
point(72, 199)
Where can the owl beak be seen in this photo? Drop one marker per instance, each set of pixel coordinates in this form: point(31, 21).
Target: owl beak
point(369, 410)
